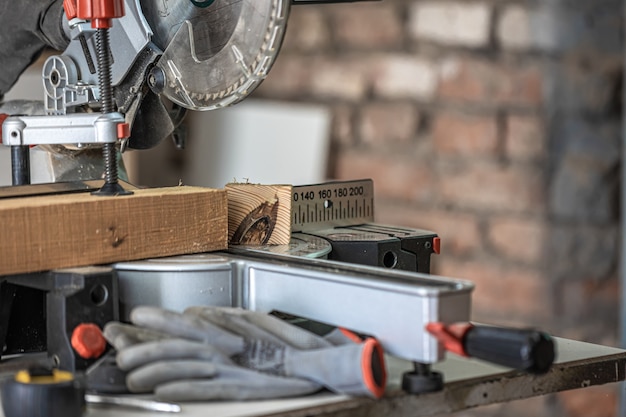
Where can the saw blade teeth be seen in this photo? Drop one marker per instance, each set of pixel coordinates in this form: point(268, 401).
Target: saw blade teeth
point(244, 60)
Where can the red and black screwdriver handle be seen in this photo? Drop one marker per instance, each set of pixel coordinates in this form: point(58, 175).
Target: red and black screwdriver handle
point(524, 349)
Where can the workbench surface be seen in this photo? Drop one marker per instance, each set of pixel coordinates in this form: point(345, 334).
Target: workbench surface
point(469, 383)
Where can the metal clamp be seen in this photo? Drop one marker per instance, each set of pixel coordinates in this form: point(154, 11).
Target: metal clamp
point(85, 128)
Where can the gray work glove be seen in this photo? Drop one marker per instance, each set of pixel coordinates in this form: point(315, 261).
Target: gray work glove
point(284, 359)
point(184, 370)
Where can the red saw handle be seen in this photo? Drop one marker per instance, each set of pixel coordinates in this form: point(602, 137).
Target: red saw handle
point(524, 349)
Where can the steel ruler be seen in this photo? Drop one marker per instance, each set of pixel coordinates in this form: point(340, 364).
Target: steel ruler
point(332, 204)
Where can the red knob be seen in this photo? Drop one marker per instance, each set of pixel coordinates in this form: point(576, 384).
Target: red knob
point(88, 341)
point(70, 8)
point(123, 131)
point(100, 12)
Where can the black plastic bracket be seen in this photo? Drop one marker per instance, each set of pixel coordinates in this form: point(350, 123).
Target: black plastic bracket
point(66, 298)
point(422, 380)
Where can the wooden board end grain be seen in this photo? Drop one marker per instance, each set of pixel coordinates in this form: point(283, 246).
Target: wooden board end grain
point(259, 214)
point(69, 230)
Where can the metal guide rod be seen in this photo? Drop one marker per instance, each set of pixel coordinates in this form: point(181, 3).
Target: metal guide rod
point(20, 164)
point(332, 204)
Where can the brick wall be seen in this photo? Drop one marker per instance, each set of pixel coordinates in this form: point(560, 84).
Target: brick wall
point(495, 123)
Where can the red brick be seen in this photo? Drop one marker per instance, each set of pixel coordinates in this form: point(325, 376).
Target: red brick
point(464, 134)
point(479, 81)
point(342, 78)
point(394, 176)
point(307, 30)
point(451, 23)
point(588, 329)
point(518, 239)
point(503, 292)
point(403, 76)
point(368, 26)
point(489, 186)
point(288, 79)
point(591, 300)
point(388, 122)
point(596, 401)
point(459, 232)
point(297, 77)
point(525, 138)
point(521, 27)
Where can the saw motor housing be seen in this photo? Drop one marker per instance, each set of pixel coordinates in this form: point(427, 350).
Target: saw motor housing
point(161, 54)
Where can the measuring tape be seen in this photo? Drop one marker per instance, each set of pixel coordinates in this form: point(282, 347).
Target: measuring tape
point(332, 204)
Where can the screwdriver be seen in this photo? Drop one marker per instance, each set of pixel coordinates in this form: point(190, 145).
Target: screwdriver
point(133, 402)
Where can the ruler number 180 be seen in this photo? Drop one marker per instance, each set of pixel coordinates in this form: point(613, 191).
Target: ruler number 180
point(346, 192)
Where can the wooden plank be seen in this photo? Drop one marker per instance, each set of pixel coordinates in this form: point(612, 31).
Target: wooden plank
point(259, 214)
point(59, 231)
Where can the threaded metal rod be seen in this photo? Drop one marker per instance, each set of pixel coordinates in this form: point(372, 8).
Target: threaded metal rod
point(109, 154)
point(109, 151)
point(104, 70)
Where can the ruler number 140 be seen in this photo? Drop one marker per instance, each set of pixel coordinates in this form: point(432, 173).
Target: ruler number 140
point(304, 196)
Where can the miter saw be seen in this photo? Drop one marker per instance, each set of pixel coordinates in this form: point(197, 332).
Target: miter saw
point(200, 55)
point(128, 72)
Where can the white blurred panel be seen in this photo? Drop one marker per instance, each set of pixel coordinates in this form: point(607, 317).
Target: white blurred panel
point(257, 141)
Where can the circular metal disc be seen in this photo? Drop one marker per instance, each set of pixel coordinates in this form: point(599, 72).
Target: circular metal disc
point(301, 245)
point(218, 54)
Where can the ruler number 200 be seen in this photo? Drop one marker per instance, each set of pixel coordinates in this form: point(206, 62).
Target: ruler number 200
point(347, 192)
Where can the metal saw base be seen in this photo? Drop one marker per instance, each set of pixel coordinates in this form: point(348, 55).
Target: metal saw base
point(395, 306)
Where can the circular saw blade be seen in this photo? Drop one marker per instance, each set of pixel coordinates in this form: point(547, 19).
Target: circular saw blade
point(215, 52)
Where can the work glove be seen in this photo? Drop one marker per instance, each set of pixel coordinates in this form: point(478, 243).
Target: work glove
point(238, 354)
point(184, 370)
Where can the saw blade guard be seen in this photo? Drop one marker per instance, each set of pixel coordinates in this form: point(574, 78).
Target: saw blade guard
point(217, 54)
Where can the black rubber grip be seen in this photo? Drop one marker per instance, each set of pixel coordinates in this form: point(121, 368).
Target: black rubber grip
point(59, 399)
point(528, 350)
